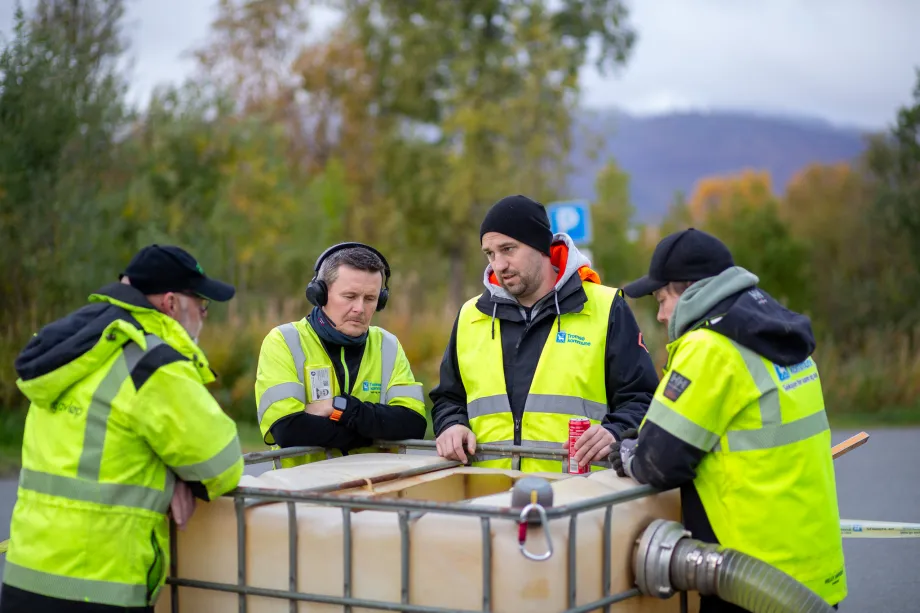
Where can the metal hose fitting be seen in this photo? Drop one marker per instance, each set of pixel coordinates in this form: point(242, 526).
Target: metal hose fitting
point(668, 560)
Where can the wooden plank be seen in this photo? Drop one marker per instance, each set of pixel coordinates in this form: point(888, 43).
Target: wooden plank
point(849, 445)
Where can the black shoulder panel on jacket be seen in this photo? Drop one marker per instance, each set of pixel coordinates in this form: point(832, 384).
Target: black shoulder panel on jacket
point(68, 338)
point(159, 356)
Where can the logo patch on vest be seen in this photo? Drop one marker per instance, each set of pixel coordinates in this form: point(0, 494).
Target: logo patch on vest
point(791, 376)
point(785, 372)
point(368, 386)
point(677, 385)
point(66, 407)
point(568, 337)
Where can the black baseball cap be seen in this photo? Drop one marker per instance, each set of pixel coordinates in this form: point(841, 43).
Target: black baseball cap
point(688, 255)
point(157, 269)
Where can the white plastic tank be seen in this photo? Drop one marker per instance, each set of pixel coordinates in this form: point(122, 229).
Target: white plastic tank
point(445, 551)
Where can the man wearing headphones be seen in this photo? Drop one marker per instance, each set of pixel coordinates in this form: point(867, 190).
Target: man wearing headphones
point(331, 379)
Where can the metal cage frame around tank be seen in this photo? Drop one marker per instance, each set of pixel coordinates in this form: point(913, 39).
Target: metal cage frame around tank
point(406, 510)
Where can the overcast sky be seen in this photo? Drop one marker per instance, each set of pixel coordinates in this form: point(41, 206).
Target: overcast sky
point(847, 61)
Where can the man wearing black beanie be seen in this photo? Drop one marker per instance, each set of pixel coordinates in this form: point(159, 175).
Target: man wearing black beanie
point(545, 343)
point(522, 219)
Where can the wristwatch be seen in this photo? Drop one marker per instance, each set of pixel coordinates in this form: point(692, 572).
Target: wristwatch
point(338, 406)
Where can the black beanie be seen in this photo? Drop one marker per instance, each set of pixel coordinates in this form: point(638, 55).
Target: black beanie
point(522, 219)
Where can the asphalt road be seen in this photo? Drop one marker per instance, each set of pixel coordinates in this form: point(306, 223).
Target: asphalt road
point(878, 481)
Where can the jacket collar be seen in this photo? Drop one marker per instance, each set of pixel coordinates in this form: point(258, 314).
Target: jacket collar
point(696, 302)
point(155, 322)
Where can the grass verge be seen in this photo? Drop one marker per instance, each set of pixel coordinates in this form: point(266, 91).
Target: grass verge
point(251, 437)
point(12, 424)
point(891, 417)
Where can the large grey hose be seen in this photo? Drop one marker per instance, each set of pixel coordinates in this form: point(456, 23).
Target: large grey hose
point(667, 560)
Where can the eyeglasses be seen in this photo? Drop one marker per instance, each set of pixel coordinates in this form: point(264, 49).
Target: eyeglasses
point(204, 302)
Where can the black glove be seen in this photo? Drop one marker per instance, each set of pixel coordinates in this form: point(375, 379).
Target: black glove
point(614, 456)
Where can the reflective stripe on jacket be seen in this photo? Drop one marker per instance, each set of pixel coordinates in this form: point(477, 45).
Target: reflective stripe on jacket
point(118, 410)
point(569, 380)
point(766, 480)
point(290, 351)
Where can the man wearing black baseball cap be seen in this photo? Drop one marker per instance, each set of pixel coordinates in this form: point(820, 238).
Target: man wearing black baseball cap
point(158, 269)
point(121, 432)
point(173, 281)
point(738, 420)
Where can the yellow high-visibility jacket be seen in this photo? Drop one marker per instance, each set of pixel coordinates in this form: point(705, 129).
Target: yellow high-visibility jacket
point(118, 410)
point(385, 400)
point(745, 436)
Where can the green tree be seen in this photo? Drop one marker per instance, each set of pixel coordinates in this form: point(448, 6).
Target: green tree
point(744, 213)
point(495, 81)
point(61, 108)
point(615, 251)
point(894, 164)
point(249, 51)
point(854, 264)
point(677, 217)
point(221, 182)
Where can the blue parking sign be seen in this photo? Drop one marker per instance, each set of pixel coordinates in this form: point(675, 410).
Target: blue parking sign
point(572, 217)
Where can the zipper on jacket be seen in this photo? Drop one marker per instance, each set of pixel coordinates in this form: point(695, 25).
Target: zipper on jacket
point(519, 419)
point(156, 567)
point(517, 346)
point(347, 389)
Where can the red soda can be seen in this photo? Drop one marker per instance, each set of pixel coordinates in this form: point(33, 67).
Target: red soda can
point(577, 427)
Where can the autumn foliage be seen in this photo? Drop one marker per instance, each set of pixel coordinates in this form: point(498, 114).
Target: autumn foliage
point(399, 127)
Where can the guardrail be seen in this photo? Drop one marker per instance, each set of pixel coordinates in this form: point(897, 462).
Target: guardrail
point(406, 510)
point(515, 452)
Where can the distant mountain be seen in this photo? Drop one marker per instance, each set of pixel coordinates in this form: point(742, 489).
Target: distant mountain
point(671, 152)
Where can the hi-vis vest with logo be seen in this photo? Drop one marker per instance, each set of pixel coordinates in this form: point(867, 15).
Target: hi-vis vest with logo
point(377, 380)
point(767, 482)
point(569, 380)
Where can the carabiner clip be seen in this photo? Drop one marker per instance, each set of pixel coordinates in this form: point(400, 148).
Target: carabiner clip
point(522, 533)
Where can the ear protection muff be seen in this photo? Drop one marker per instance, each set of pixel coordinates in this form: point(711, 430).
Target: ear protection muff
point(317, 292)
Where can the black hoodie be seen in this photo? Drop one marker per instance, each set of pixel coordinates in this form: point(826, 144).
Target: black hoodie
point(733, 306)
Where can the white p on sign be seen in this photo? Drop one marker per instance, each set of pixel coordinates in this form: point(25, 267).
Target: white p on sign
point(572, 217)
point(567, 218)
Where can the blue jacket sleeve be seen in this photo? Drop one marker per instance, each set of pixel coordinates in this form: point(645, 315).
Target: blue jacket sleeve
point(631, 378)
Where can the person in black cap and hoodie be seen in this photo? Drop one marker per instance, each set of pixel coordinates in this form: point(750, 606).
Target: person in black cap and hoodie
point(738, 421)
point(120, 432)
point(545, 342)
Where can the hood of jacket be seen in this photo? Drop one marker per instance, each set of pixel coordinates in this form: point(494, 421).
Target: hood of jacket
point(572, 266)
point(732, 305)
point(68, 350)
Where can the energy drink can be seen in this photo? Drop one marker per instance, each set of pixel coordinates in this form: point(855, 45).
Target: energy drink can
point(577, 427)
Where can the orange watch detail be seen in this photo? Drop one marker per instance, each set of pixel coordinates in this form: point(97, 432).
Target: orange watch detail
point(336, 414)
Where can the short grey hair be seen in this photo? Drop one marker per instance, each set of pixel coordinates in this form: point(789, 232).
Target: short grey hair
point(356, 257)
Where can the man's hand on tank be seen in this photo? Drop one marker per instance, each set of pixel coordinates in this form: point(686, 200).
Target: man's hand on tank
point(320, 408)
point(182, 505)
point(592, 446)
point(450, 444)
